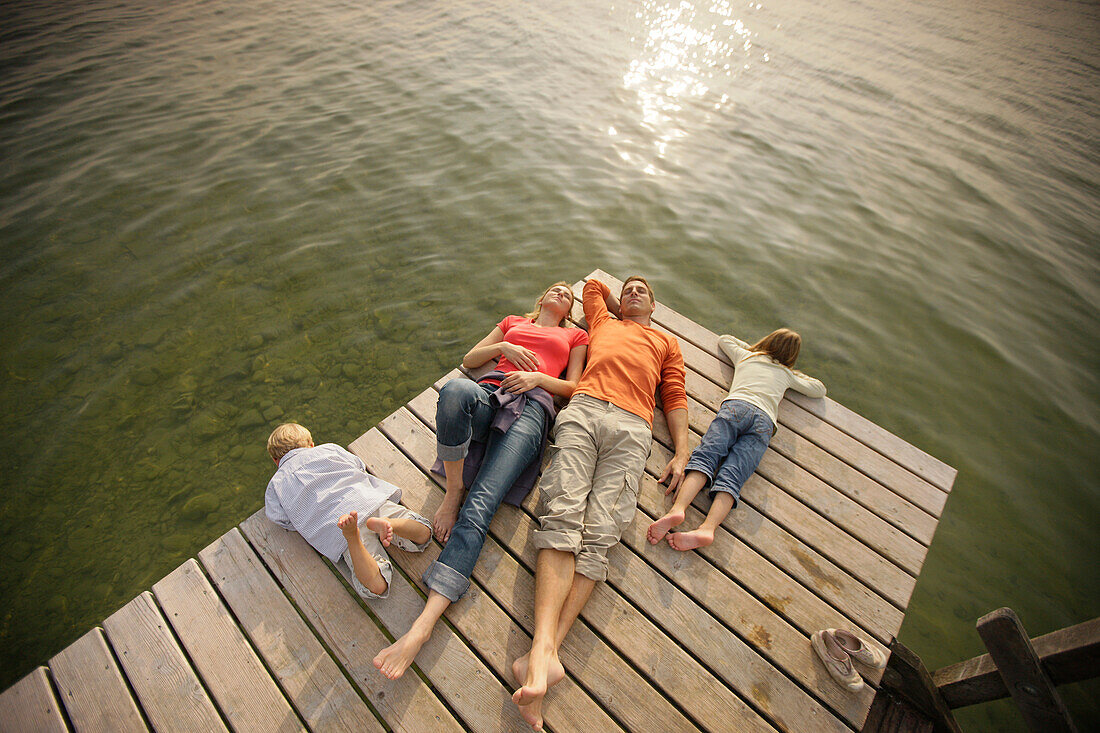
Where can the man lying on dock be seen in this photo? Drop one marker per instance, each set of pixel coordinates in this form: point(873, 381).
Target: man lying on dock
point(325, 494)
point(590, 488)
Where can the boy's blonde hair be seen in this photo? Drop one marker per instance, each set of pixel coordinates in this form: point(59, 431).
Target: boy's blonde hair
point(286, 438)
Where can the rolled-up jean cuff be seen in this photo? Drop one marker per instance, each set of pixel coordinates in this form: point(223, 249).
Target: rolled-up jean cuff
point(446, 581)
point(557, 539)
point(735, 493)
point(452, 452)
point(592, 566)
point(702, 468)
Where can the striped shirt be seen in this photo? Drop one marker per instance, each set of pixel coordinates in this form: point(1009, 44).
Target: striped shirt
point(314, 487)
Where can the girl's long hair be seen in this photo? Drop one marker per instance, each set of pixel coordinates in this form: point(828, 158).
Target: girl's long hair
point(782, 345)
point(538, 304)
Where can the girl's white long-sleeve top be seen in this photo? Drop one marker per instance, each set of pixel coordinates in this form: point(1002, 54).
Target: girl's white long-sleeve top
point(760, 380)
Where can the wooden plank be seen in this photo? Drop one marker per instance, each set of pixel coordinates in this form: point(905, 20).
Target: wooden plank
point(30, 705)
point(860, 603)
point(595, 665)
point(453, 669)
point(890, 541)
point(769, 634)
point(1068, 655)
point(406, 704)
point(906, 677)
point(917, 461)
point(899, 479)
point(1035, 695)
point(167, 688)
point(862, 489)
point(477, 616)
point(92, 688)
point(790, 516)
point(633, 635)
point(307, 674)
point(238, 682)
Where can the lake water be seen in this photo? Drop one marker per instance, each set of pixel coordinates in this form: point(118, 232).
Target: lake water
point(219, 216)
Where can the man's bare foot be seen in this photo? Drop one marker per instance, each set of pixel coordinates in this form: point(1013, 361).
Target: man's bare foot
point(684, 541)
point(660, 528)
point(382, 528)
point(555, 673)
point(396, 658)
point(446, 516)
point(531, 711)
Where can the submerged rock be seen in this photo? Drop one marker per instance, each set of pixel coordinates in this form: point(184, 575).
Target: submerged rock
point(198, 506)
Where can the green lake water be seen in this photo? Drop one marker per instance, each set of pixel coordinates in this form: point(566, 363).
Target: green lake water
point(215, 217)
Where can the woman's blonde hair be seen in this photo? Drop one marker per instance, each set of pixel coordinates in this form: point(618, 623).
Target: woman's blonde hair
point(286, 438)
point(538, 303)
point(782, 345)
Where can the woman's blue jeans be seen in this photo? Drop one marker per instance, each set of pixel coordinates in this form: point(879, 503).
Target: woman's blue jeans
point(463, 414)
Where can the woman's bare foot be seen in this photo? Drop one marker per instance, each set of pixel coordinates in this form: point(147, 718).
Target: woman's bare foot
point(684, 541)
point(446, 516)
point(382, 528)
point(396, 658)
point(660, 528)
point(555, 673)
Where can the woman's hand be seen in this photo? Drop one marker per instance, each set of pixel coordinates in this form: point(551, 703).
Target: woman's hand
point(522, 357)
point(519, 382)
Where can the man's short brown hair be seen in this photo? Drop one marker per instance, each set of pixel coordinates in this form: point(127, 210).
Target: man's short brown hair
point(287, 437)
point(632, 278)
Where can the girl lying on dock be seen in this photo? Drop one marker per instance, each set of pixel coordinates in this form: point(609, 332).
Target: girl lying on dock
point(491, 434)
point(739, 434)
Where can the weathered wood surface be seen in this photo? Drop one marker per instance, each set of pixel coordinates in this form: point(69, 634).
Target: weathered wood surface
point(230, 669)
point(1035, 695)
point(92, 688)
point(265, 634)
point(1068, 655)
point(310, 678)
point(166, 686)
point(30, 705)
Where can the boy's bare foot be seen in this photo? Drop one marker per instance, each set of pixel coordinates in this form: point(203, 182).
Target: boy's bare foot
point(349, 525)
point(554, 674)
point(684, 541)
point(660, 528)
point(396, 658)
point(382, 528)
point(446, 516)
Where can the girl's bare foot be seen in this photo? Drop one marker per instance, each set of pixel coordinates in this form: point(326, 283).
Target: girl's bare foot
point(382, 528)
point(446, 516)
point(555, 673)
point(684, 541)
point(349, 525)
point(396, 658)
point(660, 528)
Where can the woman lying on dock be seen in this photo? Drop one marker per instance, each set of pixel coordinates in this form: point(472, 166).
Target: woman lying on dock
point(491, 434)
point(739, 434)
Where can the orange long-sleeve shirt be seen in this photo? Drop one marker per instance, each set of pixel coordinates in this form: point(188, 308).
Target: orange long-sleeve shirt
point(626, 360)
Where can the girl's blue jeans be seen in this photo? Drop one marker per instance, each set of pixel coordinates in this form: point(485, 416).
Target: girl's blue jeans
point(464, 414)
point(732, 447)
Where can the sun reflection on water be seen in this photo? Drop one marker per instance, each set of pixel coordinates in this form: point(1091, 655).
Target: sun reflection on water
point(690, 54)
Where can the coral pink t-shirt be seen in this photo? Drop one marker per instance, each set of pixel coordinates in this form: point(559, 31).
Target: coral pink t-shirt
point(551, 344)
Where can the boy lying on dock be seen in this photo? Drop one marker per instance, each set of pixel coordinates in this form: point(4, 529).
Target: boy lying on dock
point(325, 494)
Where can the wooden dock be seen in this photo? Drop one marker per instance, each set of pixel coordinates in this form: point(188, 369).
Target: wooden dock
point(259, 633)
